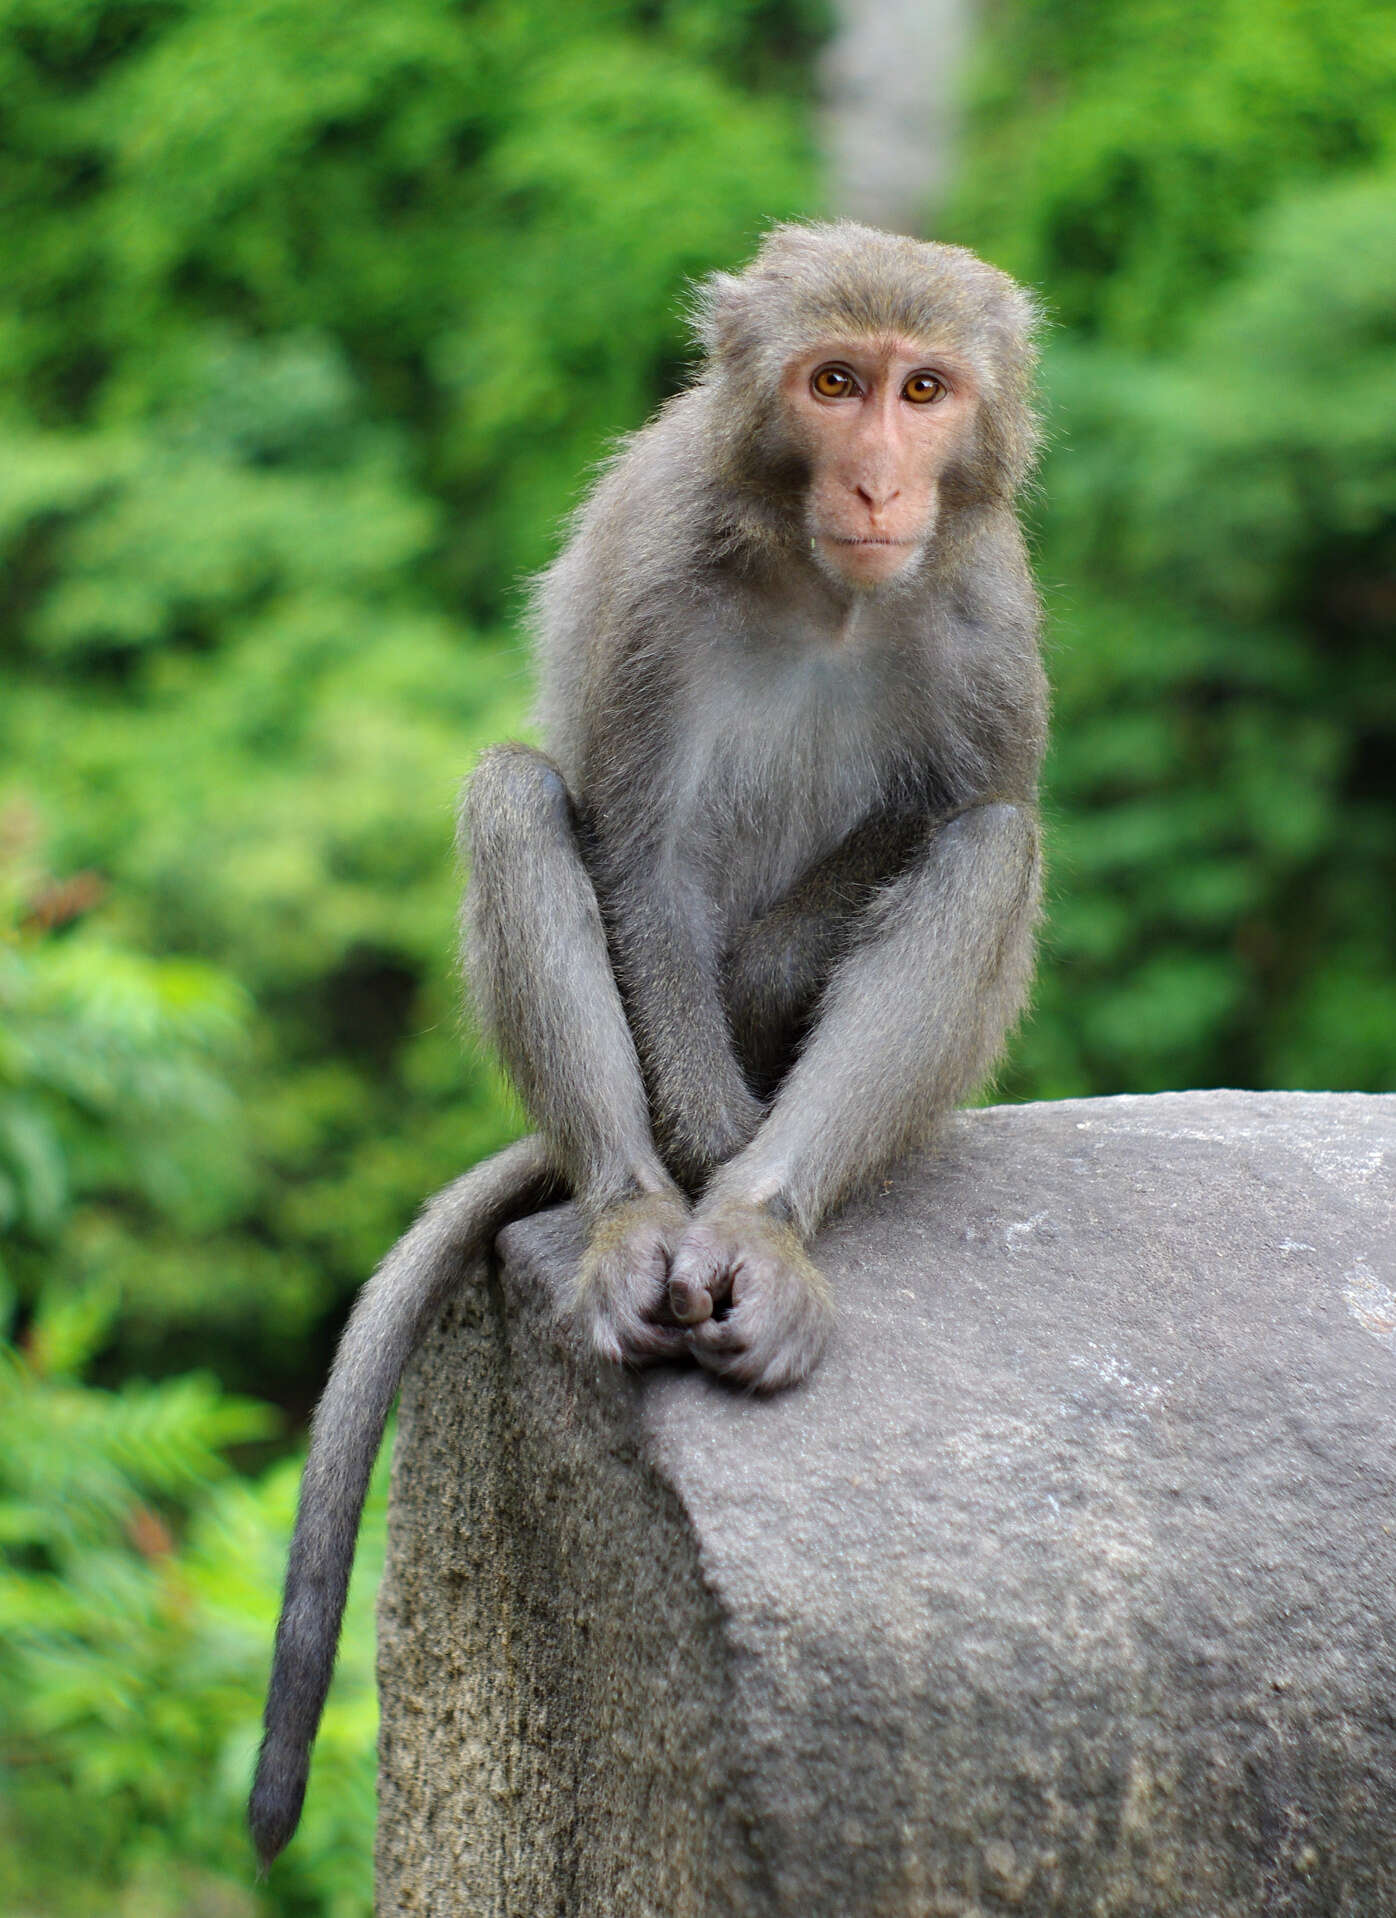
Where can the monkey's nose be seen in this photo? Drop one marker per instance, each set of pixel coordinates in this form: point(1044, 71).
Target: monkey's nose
point(876, 497)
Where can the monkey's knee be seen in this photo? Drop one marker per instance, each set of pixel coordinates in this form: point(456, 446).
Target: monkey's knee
point(1018, 829)
point(998, 817)
point(514, 790)
point(1002, 838)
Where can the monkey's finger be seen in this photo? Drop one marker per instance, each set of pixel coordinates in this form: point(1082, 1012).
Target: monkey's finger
point(715, 1338)
point(659, 1310)
point(690, 1301)
point(653, 1344)
point(739, 1363)
point(626, 1339)
point(751, 1366)
point(700, 1278)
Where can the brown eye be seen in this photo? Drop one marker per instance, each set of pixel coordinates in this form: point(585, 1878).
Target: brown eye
point(924, 389)
point(833, 383)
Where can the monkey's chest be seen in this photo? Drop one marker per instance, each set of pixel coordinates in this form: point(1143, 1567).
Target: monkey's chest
point(780, 770)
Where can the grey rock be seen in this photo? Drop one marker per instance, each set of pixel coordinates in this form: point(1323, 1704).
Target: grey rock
point(1068, 1585)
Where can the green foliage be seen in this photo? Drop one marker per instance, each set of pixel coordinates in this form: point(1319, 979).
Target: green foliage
point(1218, 534)
point(1121, 153)
point(137, 1583)
point(137, 1575)
point(111, 1088)
point(351, 181)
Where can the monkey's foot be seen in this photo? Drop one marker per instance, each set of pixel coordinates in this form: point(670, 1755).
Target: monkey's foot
point(758, 1310)
point(621, 1302)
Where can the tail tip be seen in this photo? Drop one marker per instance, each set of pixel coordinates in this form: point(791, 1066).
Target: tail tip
point(273, 1812)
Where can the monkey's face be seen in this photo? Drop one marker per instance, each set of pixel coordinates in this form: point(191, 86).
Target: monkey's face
point(877, 423)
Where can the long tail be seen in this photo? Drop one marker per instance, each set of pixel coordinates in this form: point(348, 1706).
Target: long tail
point(393, 1314)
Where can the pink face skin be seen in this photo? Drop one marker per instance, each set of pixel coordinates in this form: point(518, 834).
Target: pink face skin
point(879, 420)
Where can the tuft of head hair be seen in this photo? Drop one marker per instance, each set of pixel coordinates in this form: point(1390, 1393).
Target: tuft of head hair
point(817, 282)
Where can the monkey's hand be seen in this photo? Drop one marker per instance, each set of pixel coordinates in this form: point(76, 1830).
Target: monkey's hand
point(758, 1311)
point(621, 1300)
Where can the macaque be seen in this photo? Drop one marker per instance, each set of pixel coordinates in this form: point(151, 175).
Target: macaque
point(763, 911)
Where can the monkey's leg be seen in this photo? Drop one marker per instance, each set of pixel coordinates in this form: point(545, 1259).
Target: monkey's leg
point(543, 981)
point(668, 963)
point(909, 1023)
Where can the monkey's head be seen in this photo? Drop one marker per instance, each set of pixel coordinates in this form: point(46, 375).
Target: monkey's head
point(870, 392)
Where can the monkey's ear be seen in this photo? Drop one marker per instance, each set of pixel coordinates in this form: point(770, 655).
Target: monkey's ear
point(717, 313)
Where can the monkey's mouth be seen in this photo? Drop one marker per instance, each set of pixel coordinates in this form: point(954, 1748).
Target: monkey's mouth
point(840, 539)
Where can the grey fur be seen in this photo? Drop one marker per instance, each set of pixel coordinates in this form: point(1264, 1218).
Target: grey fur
point(764, 912)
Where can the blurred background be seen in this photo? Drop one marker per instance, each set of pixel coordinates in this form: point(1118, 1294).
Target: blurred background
point(314, 316)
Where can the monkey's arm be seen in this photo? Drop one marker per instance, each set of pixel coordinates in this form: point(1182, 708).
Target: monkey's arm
point(546, 987)
point(668, 967)
point(542, 974)
point(909, 1023)
point(911, 1020)
point(538, 961)
point(706, 1025)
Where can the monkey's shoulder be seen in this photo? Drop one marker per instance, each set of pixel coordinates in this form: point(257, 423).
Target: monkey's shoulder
point(638, 551)
point(647, 492)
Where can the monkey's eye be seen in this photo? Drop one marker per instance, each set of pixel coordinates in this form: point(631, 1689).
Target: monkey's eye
point(833, 383)
point(924, 389)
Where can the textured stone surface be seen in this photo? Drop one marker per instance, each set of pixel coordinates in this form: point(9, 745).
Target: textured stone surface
point(1068, 1585)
